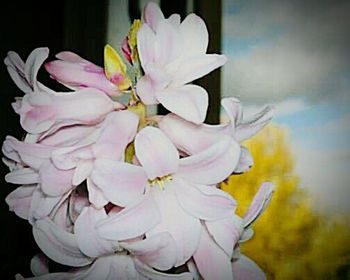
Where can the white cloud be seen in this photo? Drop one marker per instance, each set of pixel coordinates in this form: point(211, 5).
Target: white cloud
point(325, 174)
point(304, 51)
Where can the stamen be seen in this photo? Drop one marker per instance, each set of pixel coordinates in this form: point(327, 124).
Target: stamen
point(160, 181)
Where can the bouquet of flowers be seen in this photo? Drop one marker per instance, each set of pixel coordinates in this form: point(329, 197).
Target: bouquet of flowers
point(116, 193)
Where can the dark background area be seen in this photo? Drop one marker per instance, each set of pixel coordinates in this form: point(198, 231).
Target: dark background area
point(78, 26)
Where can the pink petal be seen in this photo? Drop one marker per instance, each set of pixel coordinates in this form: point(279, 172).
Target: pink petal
point(189, 102)
point(188, 69)
point(55, 182)
point(245, 269)
point(146, 45)
point(183, 227)
point(22, 176)
point(150, 273)
point(39, 265)
point(158, 251)
point(189, 137)
point(156, 153)
point(77, 73)
point(19, 200)
point(33, 63)
point(120, 182)
point(152, 15)
point(89, 242)
point(211, 261)
point(57, 244)
point(133, 221)
point(226, 232)
point(250, 127)
point(174, 20)
point(194, 34)
point(145, 91)
point(233, 109)
point(259, 203)
point(167, 44)
point(96, 195)
point(245, 161)
point(204, 202)
point(212, 165)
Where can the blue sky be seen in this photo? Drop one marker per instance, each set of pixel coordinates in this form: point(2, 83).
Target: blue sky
point(294, 55)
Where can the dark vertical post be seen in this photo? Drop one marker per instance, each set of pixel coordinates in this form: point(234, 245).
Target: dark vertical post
point(85, 26)
point(211, 12)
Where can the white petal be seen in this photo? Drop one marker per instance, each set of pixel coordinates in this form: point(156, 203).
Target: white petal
point(152, 15)
point(226, 232)
point(39, 265)
point(158, 251)
point(189, 102)
point(183, 227)
point(22, 176)
point(245, 161)
point(20, 199)
point(233, 109)
point(156, 153)
point(33, 63)
point(204, 202)
point(212, 165)
point(195, 35)
point(96, 195)
point(259, 203)
point(89, 242)
point(150, 273)
point(211, 261)
point(245, 269)
point(250, 127)
point(58, 244)
point(133, 221)
point(120, 182)
point(146, 44)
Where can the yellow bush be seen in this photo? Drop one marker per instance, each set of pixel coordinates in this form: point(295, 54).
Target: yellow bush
point(292, 241)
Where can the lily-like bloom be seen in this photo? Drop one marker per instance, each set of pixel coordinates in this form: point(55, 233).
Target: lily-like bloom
point(96, 258)
point(191, 138)
point(181, 188)
point(173, 55)
point(42, 110)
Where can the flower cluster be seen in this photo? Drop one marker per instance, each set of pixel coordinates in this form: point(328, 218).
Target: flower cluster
point(116, 193)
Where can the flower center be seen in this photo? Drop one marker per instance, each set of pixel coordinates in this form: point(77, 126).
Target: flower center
point(160, 181)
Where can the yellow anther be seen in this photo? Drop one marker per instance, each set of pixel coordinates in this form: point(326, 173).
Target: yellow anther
point(160, 181)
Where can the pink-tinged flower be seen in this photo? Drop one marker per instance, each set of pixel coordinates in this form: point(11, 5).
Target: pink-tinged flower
point(97, 258)
point(114, 134)
point(245, 269)
point(173, 55)
point(179, 187)
point(42, 110)
point(126, 49)
point(76, 73)
point(191, 138)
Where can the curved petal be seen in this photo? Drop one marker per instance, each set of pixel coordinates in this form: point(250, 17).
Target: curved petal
point(183, 227)
point(82, 171)
point(133, 221)
point(210, 255)
point(188, 69)
point(245, 269)
point(146, 39)
point(89, 242)
point(212, 165)
point(233, 109)
point(55, 182)
point(204, 202)
point(226, 232)
point(120, 182)
point(57, 244)
point(145, 91)
point(96, 195)
point(158, 251)
point(22, 176)
point(152, 15)
point(259, 203)
point(189, 102)
point(33, 63)
point(156, 153)
point(150, 273)
point(195, 35)
point(248, 128)
point(20, 199)
point(39, 265)
point(189, 137)
point(245, 161)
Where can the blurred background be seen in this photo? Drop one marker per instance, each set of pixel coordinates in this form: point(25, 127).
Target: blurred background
point(290, 54)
